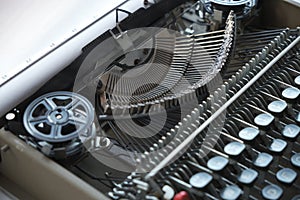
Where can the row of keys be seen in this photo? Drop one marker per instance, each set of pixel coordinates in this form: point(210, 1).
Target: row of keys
point(260, 131)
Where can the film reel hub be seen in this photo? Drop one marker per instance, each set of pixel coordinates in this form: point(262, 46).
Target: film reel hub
point(59, 116)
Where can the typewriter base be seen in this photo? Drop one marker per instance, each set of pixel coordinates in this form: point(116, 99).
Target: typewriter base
point(28, 174)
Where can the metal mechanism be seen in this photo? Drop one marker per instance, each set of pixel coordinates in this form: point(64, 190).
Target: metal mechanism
point(215, 11)
point(170, 84)
point(232, 2)
point(191, 100)
point(59, 117)
point(261, 107)
point(180, 64)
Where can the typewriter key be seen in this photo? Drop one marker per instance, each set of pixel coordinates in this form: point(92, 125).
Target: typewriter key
point(291, 131)
point(278, 145)
point(200, 180)
point(272, 192)
point(263, 160)
point(263, 120)
point(217, 163)
point(291, 93)
point(168, 192)
point(247, 176)
point(297, 80)
point(295, 159)
point(286, 175)
point(248, 133)
point(183, 195)
point(231, 192)
point(277, 106)
point(234, 148)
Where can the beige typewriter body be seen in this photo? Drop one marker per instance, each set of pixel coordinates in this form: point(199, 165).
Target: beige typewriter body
point(25, 173)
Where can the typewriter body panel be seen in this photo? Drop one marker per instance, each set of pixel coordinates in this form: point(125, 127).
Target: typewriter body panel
point(210, 68)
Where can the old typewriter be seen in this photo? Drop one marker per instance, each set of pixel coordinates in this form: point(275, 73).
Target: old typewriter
point(181, 99)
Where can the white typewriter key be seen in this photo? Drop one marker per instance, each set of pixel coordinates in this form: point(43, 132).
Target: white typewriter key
point(263, 160)
point(264, 119)
point(231, 192)
point(169, 192)
point(278, 145)
point(290, 93)
point(200, 180)
point(247, 176)
point(286, 175)
point(234, 148)
point(297, 80)
point(277, 106)
point(272, 192)
point(248, 133)
point(217, 163)
point(291, 131)
point(295, 159)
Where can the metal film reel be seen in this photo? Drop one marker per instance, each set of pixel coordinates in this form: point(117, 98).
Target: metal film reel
point(59, 117)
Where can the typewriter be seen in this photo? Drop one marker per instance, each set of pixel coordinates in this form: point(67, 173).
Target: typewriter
point(150, 100)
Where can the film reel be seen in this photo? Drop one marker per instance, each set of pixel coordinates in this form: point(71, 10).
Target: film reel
point(57, 122)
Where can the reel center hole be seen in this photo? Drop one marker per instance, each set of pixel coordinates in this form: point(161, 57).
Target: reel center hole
point(58, 116)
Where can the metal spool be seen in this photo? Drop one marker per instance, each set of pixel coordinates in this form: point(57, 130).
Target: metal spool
point(243, 9)
point(59, 117)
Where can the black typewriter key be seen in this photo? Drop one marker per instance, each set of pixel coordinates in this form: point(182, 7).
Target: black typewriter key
point(278, 145)
point(291, 131)
point(291, 93)
point(234, 148)
point(277, 106)
point(263, 120)
point(217, 163)
point(248, 133)
point(200, 180)
point(230, 192)
point(297, 80)
point(272, 192)
point(263, 160)
point(247, 176)
point(286, 175)
point(295, 159)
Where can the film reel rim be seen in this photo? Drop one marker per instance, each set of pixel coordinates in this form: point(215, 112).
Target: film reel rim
point(58, 116)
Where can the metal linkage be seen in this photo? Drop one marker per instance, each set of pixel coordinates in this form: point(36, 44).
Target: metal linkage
point(189, 134)
point(219, 111)
point(248, 45)
point(184, 83)
point(195, 59)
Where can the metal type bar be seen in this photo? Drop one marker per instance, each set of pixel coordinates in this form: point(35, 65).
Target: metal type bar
point(190, 138)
